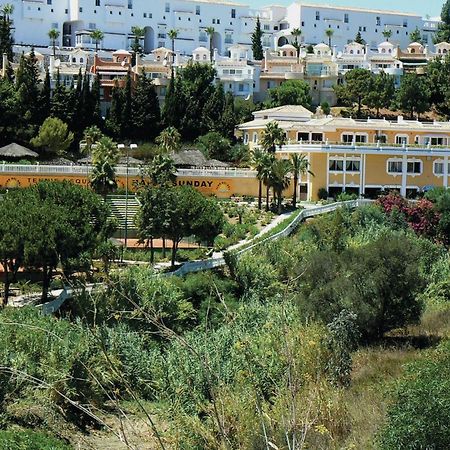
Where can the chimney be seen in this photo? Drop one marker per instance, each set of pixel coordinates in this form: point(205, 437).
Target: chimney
point(215, 55)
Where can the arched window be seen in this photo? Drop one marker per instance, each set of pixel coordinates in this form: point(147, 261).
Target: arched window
point(81, 60)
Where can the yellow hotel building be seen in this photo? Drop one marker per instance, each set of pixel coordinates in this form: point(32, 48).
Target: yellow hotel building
point(360, 156)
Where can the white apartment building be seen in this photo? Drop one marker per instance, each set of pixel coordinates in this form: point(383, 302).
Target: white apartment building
point(233, 23)
point(346, 22)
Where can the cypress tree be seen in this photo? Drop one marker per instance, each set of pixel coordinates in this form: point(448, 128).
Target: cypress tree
point(6, 38)
point(127, 107)
point(115, 114)
point(146, 113)
point(257, 47)
point(95, 102)
point(170, 113)
point(45, 98)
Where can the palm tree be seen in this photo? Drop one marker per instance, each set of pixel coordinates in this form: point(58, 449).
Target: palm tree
point(266, 174)
point(7, 11)
point(53, 34)
point(258, 164)
point(280, 179)
point(272, 136)
point(387, 34)
point(210, 32)
point(296, 33)
point(161, 171)
point(138, 33)
point(97, 36)
point(169, 140)
point(300, 165)
point(173, 34)
point(329, 32)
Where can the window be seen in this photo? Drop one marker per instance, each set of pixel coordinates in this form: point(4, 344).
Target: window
point(352, 165)
point(401, 140)
point(303, 136)
point(438, 168)
point(414, 167)
point(435, 140)
point(97, 2)
point(347, 138)
point(317, 15)
point(49, 2)
point(233, 14)
point(266, 27)
point(255, 137)
point(378, 21)
point(336, 165)
point(130, 4)
point(345, 18)
point(167, 8)
point(197, 10)
point(360, 138)
point(394, 166)
point(405, 23)
point(316, 137)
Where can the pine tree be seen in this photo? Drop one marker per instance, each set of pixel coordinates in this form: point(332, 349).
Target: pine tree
point(63, 103)
point(228, 121)
point(257, 47)
point(443, 33)
point(27, 88)
point(146, 113)
point(359, 39)
point(212, 112)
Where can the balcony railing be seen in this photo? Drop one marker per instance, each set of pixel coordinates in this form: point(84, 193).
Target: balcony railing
point(120, 170)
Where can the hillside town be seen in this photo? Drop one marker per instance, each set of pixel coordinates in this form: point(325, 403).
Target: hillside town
point(223, 226)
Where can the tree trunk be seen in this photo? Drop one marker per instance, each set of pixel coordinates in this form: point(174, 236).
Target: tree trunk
point(267, 197)
point(279, 200)
point(260, 194)
point(174, 252)
point(294, 197)
point(163, 247)
point(152, 252)
point(47, 272)
point(7, 283)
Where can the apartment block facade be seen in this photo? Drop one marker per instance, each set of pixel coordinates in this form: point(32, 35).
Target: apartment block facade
point(360, 156)
point(233, 23)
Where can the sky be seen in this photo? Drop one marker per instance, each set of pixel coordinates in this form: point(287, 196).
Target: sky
point(430, 7)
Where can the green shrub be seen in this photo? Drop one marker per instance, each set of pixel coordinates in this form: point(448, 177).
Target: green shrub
point(322, 193)
point(419, 417)
point(29, 440)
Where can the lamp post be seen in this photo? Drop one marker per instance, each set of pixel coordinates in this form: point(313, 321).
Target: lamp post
point(127, 147)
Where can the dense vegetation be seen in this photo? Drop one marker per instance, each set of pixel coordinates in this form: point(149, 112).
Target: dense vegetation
point(288, 347)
